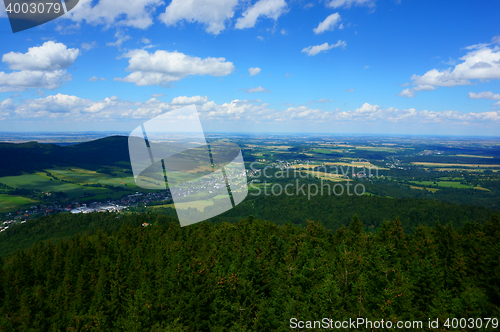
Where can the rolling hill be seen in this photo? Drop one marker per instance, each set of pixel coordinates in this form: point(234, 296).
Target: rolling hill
point(32, 156)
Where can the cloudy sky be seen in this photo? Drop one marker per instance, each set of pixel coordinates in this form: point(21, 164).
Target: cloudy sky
point(278, 66)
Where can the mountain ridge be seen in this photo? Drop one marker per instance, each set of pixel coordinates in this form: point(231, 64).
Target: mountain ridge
point(33, 156)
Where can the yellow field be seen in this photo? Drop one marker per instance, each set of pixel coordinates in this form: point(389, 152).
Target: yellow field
point(199, 205)
point(200, 169)
point(470, 170)
point(473, 156)
point(452, 165)
point(325, 176)
point(305, 166)
point(339, 151)
point(377, 148)
point(357, 164)
point(433, 190)
point(81, 170)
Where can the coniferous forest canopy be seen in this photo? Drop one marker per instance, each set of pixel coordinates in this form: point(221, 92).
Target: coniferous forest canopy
point(421, 242)
point(250, 275)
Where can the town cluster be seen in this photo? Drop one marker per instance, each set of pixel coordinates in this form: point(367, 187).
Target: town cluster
point(118, 205)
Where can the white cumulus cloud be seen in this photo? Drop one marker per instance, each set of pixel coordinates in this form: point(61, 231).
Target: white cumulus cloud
point(88, 46)
point(5, 107)
point(59, 105)
point(268, 8)
point(137, 13)
point(254, 90)
point(349, 3)
point(73, 108)
point(253, 71)
point(162, 67)
point(121, 37)
point(328, 24)
point(410, 92)
point(41, 67)
point(50, 56)
point(313, 50)
point(478, 64)
point(212, 13)
point(183, 100)
point(485, 95)
point(24, 79)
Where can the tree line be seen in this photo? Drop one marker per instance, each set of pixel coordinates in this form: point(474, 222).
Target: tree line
point(251, 275)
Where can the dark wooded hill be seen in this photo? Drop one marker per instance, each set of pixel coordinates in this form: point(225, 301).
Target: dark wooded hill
point(32, 156)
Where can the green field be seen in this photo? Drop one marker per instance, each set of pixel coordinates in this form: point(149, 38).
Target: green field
point(9, 202)
point(422, 188)
point(378, 149)
point(40, 181)
point(429, 164)
point(449, 184)
point(83, 176)
point(325, 151)
point(200, 205)
point(474, 156)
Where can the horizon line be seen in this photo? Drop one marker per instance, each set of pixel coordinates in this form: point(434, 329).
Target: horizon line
point(126, 133)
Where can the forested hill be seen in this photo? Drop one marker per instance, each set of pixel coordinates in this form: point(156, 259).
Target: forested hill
point(251, 275)
point(335, 211)
point(331, 212)
point(33, 156)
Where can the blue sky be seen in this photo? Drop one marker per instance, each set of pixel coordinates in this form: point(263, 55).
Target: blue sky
point(334, 66)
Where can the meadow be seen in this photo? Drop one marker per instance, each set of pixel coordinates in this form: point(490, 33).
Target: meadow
point(199, 205)
point(83, 176)
point(40, 181)
point(449, 184)
point(325, 151)
point(72, 181)
point(8, 202)
point(429, 164)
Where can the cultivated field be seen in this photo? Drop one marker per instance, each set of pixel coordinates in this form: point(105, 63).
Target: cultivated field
point(40, 181)
point(379, 149)
point(474, 156)
point(324, 176)
point(83, 176)
point(199, 205)
point(449, 184)
point(356, 164)
point(8, 202)
point(326, 151)
point(433, 190)
point(453, 165)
